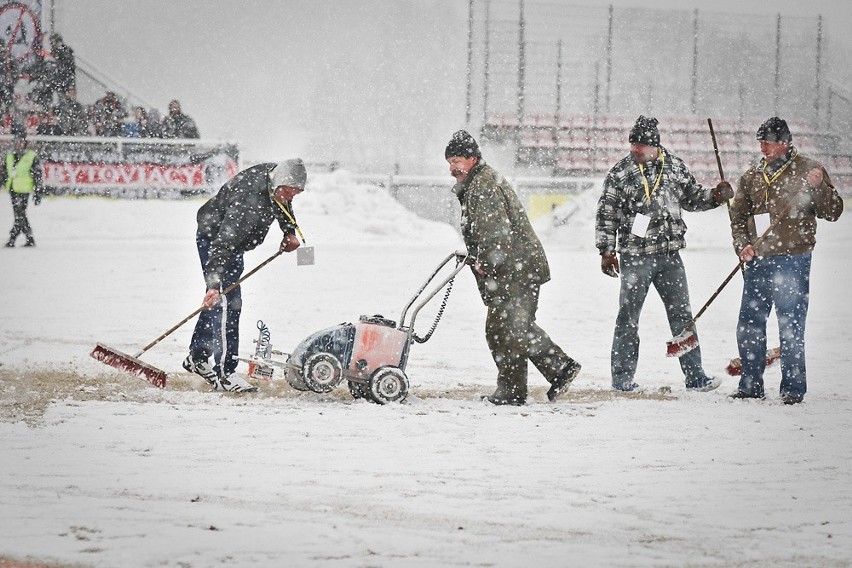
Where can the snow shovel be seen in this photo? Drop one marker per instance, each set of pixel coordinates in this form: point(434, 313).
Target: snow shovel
point(686, 341)
point(132, 364)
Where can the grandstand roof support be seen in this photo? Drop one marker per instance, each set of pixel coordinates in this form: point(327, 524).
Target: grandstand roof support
point(818, 69)
point(777, 63)
point(486, 62)
point(522, 64)
point(608, 57)
point(694, 105)
point(469, 62)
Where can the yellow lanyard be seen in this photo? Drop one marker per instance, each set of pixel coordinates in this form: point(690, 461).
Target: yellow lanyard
point(770, 180)
point(291, 218)
point(649, 191)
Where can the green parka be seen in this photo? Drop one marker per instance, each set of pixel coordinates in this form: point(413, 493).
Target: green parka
point(498, 235)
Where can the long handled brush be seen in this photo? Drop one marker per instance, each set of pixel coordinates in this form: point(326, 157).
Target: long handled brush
point(687, 340)
point(132, 364)
point(735, 367)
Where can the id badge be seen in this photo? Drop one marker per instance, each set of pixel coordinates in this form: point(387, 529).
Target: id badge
point(640, 225)
point(761, 223)
point(304, 256)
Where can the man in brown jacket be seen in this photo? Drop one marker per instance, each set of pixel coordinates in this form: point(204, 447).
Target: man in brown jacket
point(773, 223)
point(509, 265)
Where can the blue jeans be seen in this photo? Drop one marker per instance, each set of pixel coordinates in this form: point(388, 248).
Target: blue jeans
point(638, 272)
point(784, 281)
point(217, 331)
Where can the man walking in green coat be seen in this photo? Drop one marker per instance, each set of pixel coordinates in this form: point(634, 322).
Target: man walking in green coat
point(510, 266)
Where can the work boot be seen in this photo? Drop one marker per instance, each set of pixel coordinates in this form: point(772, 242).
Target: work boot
point(201, 368)
point(507, 394)
point(740, 394)
point(704, 385)
point(10, 243)
point(30, 242)
point(234, 383)
point(563, 380)
point(502, 401)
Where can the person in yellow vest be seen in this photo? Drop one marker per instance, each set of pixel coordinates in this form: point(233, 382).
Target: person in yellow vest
point(21, 174)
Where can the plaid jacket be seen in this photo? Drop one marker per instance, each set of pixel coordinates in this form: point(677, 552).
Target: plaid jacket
point(624, 196)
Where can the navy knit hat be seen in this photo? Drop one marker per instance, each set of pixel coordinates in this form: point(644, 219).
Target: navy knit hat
point(463, 145)
point(645, 132)
point(774, 130)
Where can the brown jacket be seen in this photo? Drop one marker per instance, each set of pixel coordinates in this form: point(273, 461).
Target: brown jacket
point(795, 232)
point(498, 235)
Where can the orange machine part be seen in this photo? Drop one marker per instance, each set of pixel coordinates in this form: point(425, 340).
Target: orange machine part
point(378, 346)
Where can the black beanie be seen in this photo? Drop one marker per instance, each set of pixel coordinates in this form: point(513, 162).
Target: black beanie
point(462, 144)
point(774, 130)
point(645, 132)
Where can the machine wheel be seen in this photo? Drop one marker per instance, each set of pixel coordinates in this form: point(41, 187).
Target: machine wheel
point(388, 384)
point(295, 380)
point(359, 390)
point(322, 372)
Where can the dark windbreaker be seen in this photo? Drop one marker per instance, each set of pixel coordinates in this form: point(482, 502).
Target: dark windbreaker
point(237, 219)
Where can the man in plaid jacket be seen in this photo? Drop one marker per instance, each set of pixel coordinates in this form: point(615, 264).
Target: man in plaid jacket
point(639, 217)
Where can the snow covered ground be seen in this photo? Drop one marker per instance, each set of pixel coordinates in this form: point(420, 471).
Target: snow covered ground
point(98, 468)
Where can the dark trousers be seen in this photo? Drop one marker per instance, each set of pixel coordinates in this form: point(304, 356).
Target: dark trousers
point(217, 332)
point(22, 224)
point(513, 338)
point(666, 273)
point(782, 281)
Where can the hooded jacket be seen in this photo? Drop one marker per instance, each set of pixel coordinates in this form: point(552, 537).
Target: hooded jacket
point(237, 219)
point(796, 230)
point(498, 235)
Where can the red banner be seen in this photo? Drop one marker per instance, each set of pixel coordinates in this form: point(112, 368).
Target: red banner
point(71, 174)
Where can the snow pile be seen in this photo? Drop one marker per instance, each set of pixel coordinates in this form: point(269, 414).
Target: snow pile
point(340, 208)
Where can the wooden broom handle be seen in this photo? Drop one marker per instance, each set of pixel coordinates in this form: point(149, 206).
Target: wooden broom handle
point(198, 310)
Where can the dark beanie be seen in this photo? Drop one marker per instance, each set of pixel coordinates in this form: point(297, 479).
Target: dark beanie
point(462, 144)
point(645, 132)
point(774, 130)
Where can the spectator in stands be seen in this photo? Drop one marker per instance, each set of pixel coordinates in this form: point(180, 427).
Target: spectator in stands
point(21, 175)
point(509, 266)
point(71, 115)
point(178, 124)
point(639, 217)
point(108, 115)
point(792, 192)
point(132, 127)
point(41, 77)
point(65, 70)
point(47, 125)
point(154, 126)
point(8, 77)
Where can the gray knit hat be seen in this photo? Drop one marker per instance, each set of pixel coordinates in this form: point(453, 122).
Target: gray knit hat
point(291, 173)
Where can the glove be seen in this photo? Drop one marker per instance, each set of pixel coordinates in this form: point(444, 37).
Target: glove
point(37, 199)
point(609, 264)
point(289, 243)
point(722, 192)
